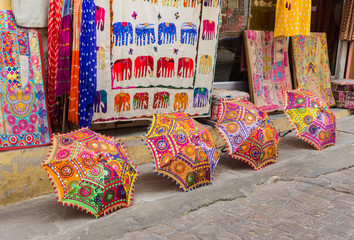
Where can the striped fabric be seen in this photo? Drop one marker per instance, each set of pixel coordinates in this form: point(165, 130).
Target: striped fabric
point(54, 19)
point(74, 87)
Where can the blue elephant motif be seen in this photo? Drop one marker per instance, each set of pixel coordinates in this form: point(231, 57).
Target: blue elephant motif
point(122, 33)
point(144, 34)
point(188, 33)
point(100, 102)
point(201, 97)
point(167, 33)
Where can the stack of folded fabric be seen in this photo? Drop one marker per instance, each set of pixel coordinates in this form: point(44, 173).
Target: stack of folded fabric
point(219, 94)
point(343, 91)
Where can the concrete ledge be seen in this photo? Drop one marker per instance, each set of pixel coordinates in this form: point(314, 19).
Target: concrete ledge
point(21, 176)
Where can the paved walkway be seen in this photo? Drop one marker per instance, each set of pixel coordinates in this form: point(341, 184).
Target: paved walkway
point(305, 208)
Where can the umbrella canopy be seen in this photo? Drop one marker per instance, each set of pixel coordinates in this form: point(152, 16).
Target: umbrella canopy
point(183, 149)
point(91, 171)
point(249, 134)
point(312, 119)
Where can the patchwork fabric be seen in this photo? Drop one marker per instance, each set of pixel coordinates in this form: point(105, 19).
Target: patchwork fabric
point(293, 17)
point(23, 110)
point(310, 57)
point(249, 134)
point(268, 69)
point(183, 149)
point(91, 172)
point(234, 15)
point(155, 56)
point(311, 117)
point(343, 91)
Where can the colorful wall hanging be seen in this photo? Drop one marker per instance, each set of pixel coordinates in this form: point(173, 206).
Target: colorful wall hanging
point(23, 110)
point(155, 56)
point(234, 16)
point(293, 17)
point(268, 69)
point(311, 69)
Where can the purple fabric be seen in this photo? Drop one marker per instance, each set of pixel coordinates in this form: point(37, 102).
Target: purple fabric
point(64, 56)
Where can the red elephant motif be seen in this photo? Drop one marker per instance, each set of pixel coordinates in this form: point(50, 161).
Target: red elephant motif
point(141, 100)
point(122, 102)
point(122, 69)
point(181, 101)
point(100, 18)
point(185, 67)
point(161, 100)
point(165, 67)
point(144, 66)
point(208, 30)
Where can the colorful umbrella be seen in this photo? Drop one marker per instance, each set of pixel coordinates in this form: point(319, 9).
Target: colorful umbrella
point(183, 149)
point(311, 118)
point(91, 171)
point(248, 133)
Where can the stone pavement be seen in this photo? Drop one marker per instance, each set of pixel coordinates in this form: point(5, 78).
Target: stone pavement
point(305, 208)
point(312, 196)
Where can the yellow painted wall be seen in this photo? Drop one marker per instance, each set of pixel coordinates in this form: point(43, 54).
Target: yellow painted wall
point(5, 4)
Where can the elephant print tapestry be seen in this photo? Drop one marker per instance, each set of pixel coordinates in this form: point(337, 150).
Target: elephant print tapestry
point(268, 69)
point(23, 110)
point(311, 67)
point(155, 56)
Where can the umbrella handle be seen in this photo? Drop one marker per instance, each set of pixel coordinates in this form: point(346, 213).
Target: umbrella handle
point(283, 134)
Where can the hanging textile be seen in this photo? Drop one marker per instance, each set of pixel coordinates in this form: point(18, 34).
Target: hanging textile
point(292, 17)
point(88, 63)
point(63, 66)
point(234, 15)
point(64, 55)
point(162, 60)
point(74, 81)
point(23, 110)
point(54, 20)
point(347, 24)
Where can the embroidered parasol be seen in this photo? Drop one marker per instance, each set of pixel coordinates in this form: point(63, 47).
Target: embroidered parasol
point(91, 172)
point(249, 134)
point(312, 119)
point(183, 149)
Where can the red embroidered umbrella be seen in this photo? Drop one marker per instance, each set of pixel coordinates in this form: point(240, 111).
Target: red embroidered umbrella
point(312, 119)
point(183, 149)
point(91, 171)
point(249, 134)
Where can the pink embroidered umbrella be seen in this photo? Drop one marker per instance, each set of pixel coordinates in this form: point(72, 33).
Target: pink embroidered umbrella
point(312, 119)
point(248, 133)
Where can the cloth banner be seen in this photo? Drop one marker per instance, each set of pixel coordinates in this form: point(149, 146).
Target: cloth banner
point(311, 67)
point(292, 17)
point(268, 69)
point(155, 56)
point(23, 110)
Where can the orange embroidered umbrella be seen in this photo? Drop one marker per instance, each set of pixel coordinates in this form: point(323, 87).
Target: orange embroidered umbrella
point(91, 171)
point(183, 149)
